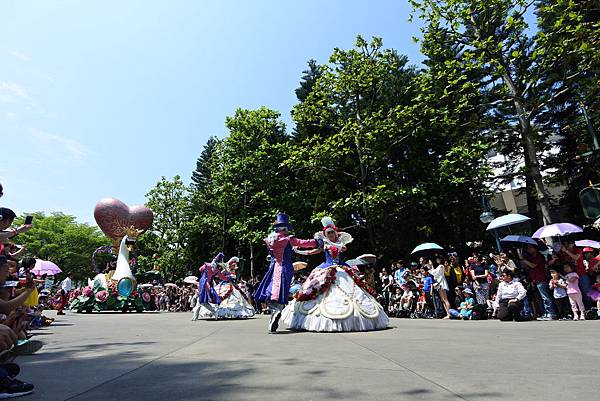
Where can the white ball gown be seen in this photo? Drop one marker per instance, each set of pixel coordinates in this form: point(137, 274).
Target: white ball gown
point(234, 304)
point(334, 299)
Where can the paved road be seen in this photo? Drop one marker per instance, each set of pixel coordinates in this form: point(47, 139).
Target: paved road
point(166, 357)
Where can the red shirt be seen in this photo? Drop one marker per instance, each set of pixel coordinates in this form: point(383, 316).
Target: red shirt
point(566, 258)
point(538, 272)
point(593, 264)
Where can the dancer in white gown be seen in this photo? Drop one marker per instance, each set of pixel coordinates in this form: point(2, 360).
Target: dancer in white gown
point(234, 304)
point(334, 298)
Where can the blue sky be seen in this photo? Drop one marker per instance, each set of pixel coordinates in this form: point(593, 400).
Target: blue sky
point(102, 98)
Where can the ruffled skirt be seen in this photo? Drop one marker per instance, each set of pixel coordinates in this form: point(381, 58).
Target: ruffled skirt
point(234, 304)
point(345, 305)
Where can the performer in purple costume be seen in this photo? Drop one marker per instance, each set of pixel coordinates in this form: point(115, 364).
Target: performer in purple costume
point(275, 286)
point(206, 291)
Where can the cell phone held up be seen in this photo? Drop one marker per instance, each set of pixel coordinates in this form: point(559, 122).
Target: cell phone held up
point(28, 220)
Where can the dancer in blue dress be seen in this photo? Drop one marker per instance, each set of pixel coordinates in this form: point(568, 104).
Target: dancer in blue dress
point(275, 285)
point(208, 299)
point(334, 297)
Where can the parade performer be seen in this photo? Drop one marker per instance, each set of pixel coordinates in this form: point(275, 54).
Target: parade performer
point(233, 301)
point(207, 296)
point(334, 298)
point(275, 285)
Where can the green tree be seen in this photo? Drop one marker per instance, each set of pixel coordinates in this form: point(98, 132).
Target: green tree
point(61, 239)
point(496, 40)
point(169, 201)
point(201, 175)
point(247, 185)
point(354, 96)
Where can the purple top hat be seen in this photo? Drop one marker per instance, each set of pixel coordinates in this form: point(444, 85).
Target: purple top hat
point(283, 220)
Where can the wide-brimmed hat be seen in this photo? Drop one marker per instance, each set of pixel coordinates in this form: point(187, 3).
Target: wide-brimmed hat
point(468, 291)
point(283, 221)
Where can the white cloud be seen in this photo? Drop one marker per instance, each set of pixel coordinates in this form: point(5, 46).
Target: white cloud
point(18, 55)
point(12, 92)
point(75, 149)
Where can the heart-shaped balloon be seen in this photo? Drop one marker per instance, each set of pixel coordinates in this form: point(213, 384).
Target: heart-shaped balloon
point(114, 217)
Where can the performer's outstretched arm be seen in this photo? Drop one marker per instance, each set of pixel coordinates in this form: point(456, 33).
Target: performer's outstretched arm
point(303, 243)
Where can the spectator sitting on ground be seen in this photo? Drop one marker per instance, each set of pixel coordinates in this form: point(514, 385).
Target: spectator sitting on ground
point(466, 307)
point(509, 297)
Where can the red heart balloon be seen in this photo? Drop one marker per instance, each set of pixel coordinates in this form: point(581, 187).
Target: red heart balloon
point(114, 217)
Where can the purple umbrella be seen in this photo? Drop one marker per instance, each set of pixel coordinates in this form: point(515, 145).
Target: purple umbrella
point(557, 230)
point(588, 243)
point(45, 267)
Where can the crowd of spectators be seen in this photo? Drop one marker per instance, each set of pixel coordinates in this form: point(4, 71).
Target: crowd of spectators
point(535, 282)
point(21, 305)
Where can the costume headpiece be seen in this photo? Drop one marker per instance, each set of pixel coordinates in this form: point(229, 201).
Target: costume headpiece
point(328, 224)
point(283, 221)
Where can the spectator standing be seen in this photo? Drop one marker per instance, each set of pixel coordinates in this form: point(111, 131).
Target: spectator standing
point(479, 275)
point(427, 281)
point(535, 263)
point(454, 275)
point(574, 292)
point(439, 276)
point(65, 288)
point(386, 281)
point(400, 274)
point(558, 285)
point(570, 254)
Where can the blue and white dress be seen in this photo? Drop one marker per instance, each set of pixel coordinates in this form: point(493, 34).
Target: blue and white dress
point(234, 304)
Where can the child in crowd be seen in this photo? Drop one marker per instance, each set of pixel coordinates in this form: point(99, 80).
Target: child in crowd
point(465, 309)
point(427, 281)
point(407, 297)
point(395, 307)
point(559, 287)
point(574, 293)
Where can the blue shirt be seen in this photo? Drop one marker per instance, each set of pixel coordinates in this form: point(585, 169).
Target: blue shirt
point(427, 283)
point(399, 276)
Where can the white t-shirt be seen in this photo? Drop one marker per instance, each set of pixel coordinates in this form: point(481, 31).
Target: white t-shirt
point(440, 277)
point(66, 285)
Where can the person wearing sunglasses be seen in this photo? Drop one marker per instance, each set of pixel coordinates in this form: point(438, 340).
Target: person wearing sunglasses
point(510, 297)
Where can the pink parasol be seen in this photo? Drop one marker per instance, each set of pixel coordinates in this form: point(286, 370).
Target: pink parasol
point(45, 267)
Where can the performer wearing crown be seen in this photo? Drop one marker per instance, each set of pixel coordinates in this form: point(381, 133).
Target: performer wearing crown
point(233, 301)
point(334, 297)
point(275, 285)
point(207, 296)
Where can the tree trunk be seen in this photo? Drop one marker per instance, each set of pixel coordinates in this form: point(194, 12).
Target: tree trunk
point(251, 261)
point(532, 210)
point(533, 169)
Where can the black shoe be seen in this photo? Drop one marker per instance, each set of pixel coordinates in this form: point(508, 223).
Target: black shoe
point(274, 322)
point(14, 388)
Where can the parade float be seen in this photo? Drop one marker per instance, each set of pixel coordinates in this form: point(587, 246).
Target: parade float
point(117, 289)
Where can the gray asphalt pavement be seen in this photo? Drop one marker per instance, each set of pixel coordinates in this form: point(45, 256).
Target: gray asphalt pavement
point(166, 357)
